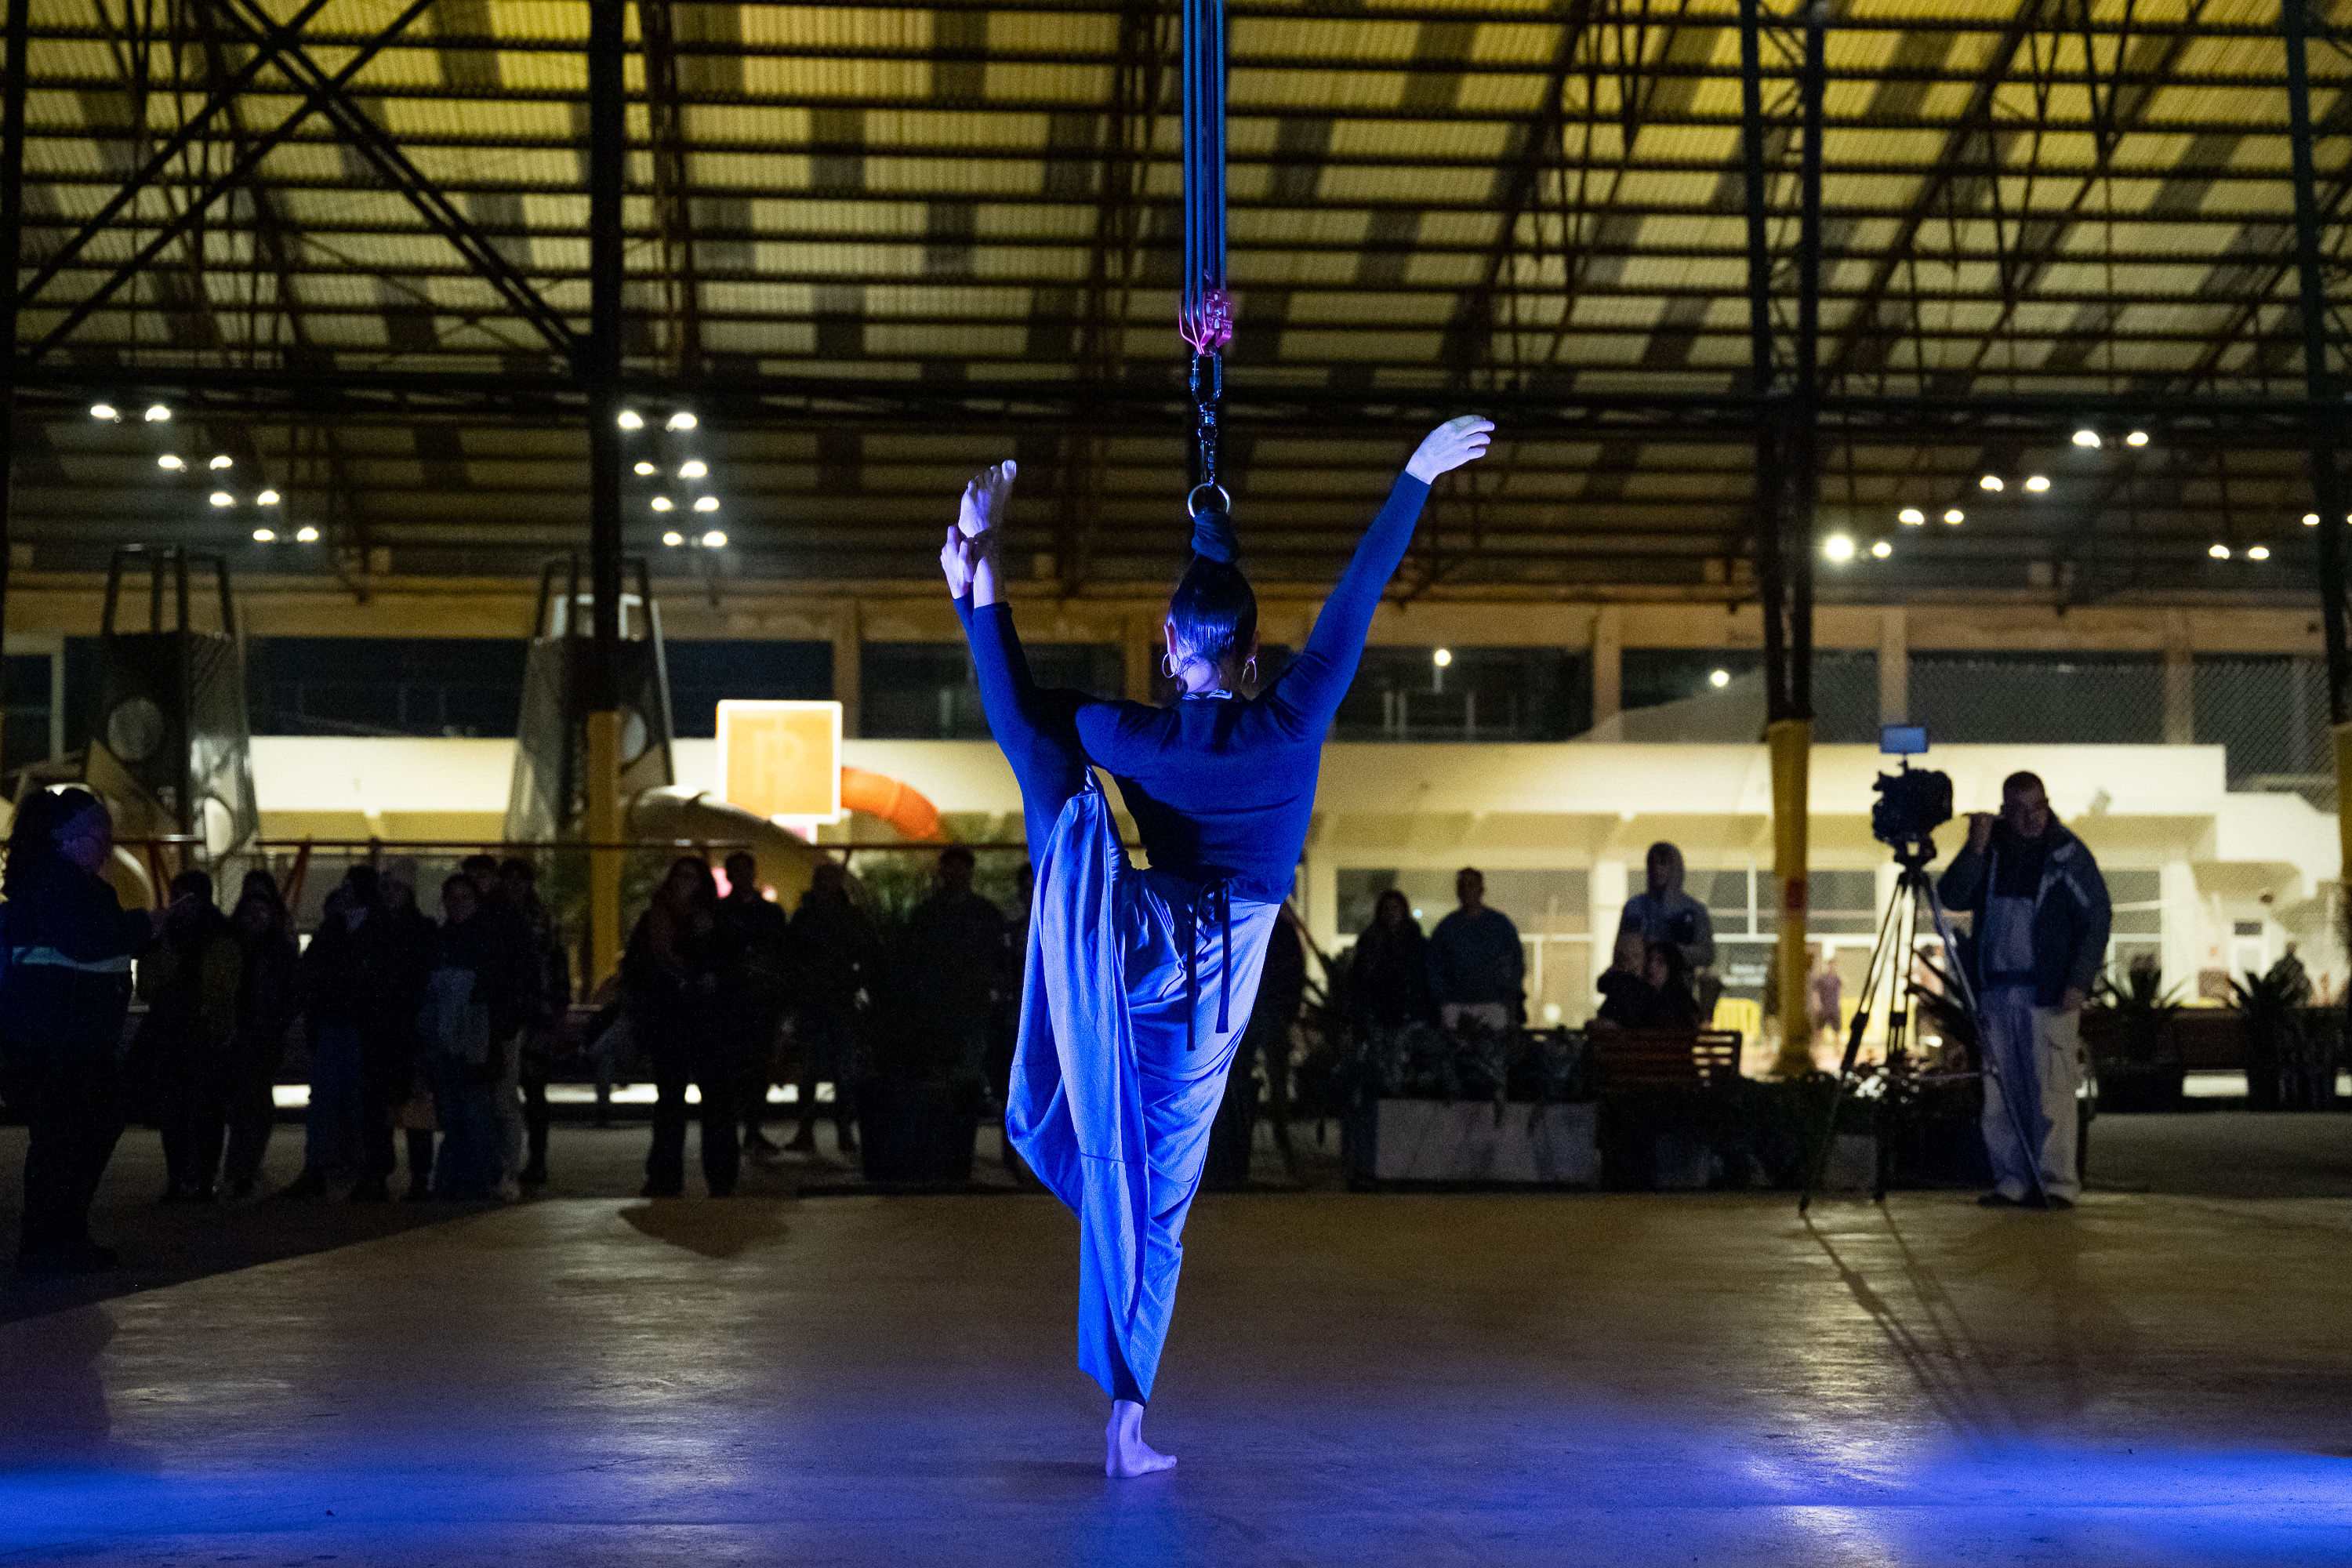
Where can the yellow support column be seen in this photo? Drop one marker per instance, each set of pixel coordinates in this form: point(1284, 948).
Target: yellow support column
point(604, 863)
point(2343, 801)
point(1791, 744)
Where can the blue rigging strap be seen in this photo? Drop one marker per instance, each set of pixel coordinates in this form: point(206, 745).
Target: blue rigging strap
point(1206, 310)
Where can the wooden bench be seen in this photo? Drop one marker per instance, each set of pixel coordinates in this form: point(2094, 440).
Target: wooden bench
point(1626, 1059)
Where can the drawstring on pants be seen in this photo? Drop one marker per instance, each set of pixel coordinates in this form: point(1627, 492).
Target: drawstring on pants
point(1215, 901)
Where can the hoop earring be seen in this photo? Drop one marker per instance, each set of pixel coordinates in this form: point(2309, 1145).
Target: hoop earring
point(1168, 665)
point(1249, 672)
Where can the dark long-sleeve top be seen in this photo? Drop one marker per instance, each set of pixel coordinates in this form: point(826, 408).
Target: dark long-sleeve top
point(61, 913)
point(1221, 788)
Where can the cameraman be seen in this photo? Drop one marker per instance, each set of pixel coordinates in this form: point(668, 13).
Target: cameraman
point(2037, 941)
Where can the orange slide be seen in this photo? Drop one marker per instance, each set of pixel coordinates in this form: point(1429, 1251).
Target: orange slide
point(879, 794)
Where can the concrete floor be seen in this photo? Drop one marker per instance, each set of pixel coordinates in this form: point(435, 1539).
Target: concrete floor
point(1357, 1380)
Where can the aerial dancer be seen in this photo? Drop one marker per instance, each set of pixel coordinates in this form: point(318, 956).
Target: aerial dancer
point(1138, 982)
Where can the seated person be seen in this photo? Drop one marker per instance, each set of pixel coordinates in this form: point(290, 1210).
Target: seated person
point(1658, 997)
point(1625, 988)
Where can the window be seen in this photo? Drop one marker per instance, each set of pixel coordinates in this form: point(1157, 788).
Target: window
point(2271, 714)
point(386, 686)
point(24, 731)
point(2033, 699)
point(704, 674)
point(1478, 694)
point(1846, 685)
point(927, 691)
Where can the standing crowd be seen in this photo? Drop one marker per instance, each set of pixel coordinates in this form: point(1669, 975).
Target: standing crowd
point(431, 1043)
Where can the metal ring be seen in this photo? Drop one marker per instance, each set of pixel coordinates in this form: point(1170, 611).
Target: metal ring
point(1225, 501)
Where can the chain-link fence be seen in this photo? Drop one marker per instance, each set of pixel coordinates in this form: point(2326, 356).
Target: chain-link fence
point(2271, 712)
point(2039, 699)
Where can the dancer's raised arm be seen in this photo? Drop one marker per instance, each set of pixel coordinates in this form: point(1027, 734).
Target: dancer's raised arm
point(1317, 678)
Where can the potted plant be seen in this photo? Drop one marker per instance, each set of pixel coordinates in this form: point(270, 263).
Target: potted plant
point(2128, 1031)
point(2269, 1008)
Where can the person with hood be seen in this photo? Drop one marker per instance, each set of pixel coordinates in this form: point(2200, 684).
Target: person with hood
point(1477, 969)
point(188, 1040)
point(1664, 912)
point(267, 1001)
point(2037, 939)
point(63, 996)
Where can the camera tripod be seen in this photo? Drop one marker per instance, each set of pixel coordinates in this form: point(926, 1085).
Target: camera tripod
point(1889, 973)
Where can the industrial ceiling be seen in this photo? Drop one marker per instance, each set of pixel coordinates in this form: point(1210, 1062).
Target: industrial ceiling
point(872, 247)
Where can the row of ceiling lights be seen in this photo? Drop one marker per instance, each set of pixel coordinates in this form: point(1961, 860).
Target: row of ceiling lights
point(692, 470)
point(171, 462)
point(1840, 547)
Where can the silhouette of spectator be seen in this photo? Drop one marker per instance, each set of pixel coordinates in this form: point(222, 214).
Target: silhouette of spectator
point(267, 999)
point(1281, 994)
point(190, 980)
point(1625, 994)
point(506, 945)
point(838, 945)
point(411, 942)
point(676, 973)
point(1388, 974)
point(958, 950)
point(759, 936)
point(1476, 967)
point(466, 1022)
point(1662, 911)
point(546, 986)
point(62, 1001)
point(360, 1058)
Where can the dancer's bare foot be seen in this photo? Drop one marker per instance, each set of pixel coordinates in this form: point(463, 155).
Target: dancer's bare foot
point(983, 498)
point(1125, 1453)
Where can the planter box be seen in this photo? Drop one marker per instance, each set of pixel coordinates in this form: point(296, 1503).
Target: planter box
point(1854, 1163)
point(1465, 1141)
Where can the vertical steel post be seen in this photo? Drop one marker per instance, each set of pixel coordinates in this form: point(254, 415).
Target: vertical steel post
point(600, 374)
point(12, 244)
point(2319, 384)
point(1761, 377)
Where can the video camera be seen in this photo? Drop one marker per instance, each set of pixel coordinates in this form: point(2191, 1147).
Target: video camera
point(1910, 805)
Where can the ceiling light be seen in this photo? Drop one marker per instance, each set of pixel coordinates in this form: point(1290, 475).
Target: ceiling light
point(104, 411)
point(264, 536)
point(168, 461)
point(673, 539)
point(266, 498)
point(2311, 520)
point(2087, 438)
point(2259, 553)
point(661, 503)
point(1838, 547)
point(706, 504)
point(1910, 514)
point(1441, 657)
point(222, 462)
point(222, 497)
point(694, 470)
point(631, 419)
point(1956, 515)
point(1718, 678)
point(714, 538)
point(157, 413)
point(681, 420)
point(2136, 438)
point(644, 469)
point(306, 535)
point(2219, 552)
point(2037, 483)
point(1989, 482)
point(1882, 550)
